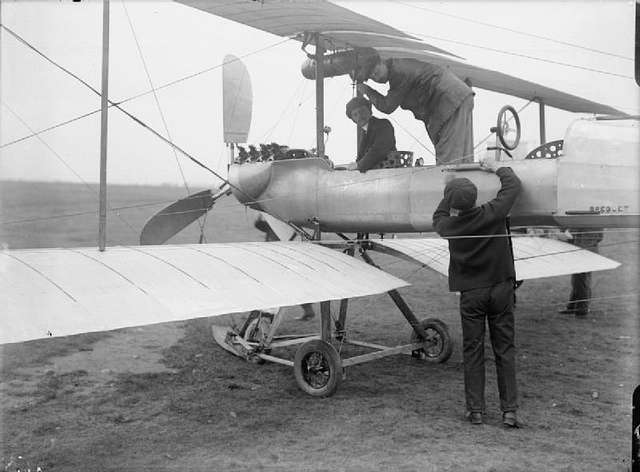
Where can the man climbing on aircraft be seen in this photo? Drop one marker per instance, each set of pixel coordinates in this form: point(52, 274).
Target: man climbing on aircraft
point(436, 97)
point(481, 268)
point(378, 137)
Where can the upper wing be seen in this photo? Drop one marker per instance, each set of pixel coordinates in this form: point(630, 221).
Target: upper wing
point(347, 29)
point(58, 292)
point(503, 83)
point(292, 18)
point(534, 257)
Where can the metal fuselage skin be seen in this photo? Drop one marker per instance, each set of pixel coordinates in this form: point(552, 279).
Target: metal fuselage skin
point(594, 184)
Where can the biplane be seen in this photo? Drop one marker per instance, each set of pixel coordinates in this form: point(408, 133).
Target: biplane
point(593, 182)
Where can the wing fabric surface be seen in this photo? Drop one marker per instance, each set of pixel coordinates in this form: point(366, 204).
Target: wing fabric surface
point(534, 257)
point(289, 18)
point(344, 28)
point(495, 81)
point(59, 292)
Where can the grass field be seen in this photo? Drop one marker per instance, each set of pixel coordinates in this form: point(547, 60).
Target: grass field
point(167, 398)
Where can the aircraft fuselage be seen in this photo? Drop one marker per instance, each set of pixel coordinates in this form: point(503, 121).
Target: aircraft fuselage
point(594, 184)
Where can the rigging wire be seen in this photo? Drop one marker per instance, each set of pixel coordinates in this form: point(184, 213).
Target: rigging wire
point(284, 110)
point(297, 111)
point(131, 116)
point(396, 122)
point(61, 159)
point(126, 100)
point(520, 110)
point(138, 120)
point(509, 53)
point(155, 95)
point(511, 30)
point(162, 116)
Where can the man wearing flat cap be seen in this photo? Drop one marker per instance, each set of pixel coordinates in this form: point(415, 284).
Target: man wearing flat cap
point(378, 137)
point(481, 268)
point(436, 96)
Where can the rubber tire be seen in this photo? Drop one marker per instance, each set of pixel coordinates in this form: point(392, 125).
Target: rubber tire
point(442, 332)
point(254, 318)
point(513, 111)
point(333, 364)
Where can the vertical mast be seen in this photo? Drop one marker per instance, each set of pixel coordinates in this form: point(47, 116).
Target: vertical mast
point(543, 131)
point(319, 94)
point(470, 158)
point(102, 224)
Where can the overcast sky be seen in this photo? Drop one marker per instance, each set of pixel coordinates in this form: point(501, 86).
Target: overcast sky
point(177, 41)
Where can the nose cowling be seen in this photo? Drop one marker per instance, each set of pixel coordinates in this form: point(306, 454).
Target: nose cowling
point(249, 181)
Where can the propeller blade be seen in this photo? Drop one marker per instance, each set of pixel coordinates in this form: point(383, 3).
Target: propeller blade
point(282, 230)
point(177, 216)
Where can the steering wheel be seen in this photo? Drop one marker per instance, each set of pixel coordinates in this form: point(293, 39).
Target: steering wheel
point(509, 137)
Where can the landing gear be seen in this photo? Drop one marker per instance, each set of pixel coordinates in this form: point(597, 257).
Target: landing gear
point(317, 365)
point(256, 330)
point(317, 368)
point(438, 345)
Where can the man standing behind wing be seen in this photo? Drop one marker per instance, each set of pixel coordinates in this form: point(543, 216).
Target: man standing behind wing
point(436, 97)
point(481, 268)
point(378, 137)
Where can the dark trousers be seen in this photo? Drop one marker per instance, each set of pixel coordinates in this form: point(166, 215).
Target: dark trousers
point(580, 292)
point(495, 304)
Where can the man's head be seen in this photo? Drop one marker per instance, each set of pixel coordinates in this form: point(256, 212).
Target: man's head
point(370, 67)
point(461, 193)
point(359, 110)
point(380, 72)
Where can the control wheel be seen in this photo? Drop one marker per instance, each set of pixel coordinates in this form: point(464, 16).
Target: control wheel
point(508, 127)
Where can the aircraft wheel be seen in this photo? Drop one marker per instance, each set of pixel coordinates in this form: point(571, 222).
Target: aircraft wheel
point(438, 346)
point(317, 368)
point(256, 329)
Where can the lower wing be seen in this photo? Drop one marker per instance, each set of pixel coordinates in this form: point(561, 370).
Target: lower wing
point(59, 292)
point(534, 257)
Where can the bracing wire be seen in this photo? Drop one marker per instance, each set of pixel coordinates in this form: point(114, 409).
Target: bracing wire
point(64, 162)
point(138, 120)
point(295, 116)
point(157, 102)
point(525, 56)
point(511, 30)
point(155, 94)
point(128, 114)
point(126, 100)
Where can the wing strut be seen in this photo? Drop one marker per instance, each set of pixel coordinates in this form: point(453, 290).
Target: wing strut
point(319, 94)
point(102, 223)
point(543, 133)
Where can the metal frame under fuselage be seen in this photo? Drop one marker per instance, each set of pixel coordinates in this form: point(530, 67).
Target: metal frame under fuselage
point(234, 342)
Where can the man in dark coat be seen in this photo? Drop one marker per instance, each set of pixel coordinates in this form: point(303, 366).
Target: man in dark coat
point(481, 268)
point(436, 96)
point(378, 137)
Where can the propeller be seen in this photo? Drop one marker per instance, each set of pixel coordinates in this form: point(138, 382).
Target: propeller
point(237, 98)
point(171, 220)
